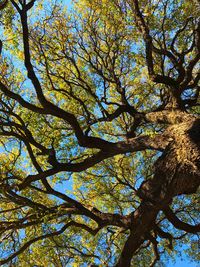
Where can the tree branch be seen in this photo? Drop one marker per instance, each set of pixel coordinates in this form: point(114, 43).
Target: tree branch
point(177, 223)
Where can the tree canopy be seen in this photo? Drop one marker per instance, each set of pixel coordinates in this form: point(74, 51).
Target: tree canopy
point(100, 132)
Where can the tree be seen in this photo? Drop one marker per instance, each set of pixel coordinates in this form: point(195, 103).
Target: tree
point(100, 132)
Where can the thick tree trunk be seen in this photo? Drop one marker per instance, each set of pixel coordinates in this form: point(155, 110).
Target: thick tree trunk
point(177, 172)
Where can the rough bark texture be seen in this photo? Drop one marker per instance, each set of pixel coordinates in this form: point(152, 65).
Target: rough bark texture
point(177, 172)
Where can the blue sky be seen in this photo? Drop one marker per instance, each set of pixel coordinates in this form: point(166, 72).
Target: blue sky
point(180, 262)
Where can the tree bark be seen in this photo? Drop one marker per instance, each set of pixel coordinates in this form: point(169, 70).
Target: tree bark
point(177, 172)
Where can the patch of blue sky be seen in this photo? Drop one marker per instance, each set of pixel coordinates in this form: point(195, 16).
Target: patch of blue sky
point(182, 261)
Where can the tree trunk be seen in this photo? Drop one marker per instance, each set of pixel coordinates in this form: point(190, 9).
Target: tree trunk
point(177, 172)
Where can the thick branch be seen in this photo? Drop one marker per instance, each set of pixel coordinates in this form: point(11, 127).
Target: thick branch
point(179, 224)
point(159, 142)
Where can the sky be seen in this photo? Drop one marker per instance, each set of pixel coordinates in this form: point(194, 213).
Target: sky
point(180, 262)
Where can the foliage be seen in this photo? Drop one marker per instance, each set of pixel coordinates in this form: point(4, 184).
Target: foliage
point(88, 101)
